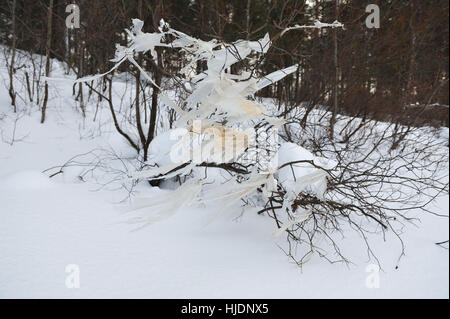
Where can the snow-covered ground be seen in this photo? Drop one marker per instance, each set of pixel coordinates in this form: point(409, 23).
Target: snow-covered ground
point(48, 224)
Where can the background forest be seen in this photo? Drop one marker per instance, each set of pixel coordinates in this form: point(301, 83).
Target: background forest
point(392, 73)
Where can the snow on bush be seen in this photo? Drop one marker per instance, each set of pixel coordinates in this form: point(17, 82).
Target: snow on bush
point(215, 117)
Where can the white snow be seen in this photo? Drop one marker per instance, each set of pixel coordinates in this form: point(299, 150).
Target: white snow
point(47, 224)
point(304, 175)
point(25, 181)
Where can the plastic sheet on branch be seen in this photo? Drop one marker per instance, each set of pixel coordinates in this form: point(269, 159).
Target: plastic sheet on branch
point(221, 102)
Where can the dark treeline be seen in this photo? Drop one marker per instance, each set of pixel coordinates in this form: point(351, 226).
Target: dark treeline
point(398, 72)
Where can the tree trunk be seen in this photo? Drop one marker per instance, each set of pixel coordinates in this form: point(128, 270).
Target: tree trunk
point(138, 87)
point(249, 2)
point(47, 57)
point(12, 93)
point(154, 110)
point(336, 76)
